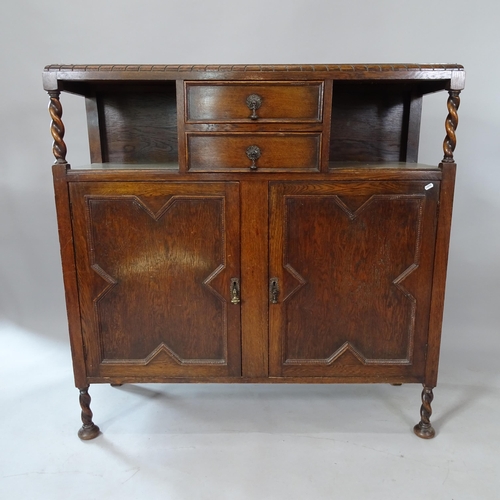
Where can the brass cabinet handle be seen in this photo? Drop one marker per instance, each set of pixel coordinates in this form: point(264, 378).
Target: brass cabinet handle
point(254, 102)
point(235, 291)
point(274, 290)
point(253, 153)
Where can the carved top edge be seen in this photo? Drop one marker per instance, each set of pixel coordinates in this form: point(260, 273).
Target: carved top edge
point(253, 67)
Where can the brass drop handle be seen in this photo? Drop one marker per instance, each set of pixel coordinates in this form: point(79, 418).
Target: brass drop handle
point(253, 153)
point(235, 291)
point(254, 102)
point(274, 290)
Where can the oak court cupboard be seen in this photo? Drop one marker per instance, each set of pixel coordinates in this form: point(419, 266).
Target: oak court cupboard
point(254, 224)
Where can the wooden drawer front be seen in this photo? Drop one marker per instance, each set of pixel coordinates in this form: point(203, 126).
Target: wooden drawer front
point(228, 152)
point(280, 102)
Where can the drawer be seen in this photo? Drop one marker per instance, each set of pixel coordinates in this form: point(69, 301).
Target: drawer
point(250, 152)
point(254, 102)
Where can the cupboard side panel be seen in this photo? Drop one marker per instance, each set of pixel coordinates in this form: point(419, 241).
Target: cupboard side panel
point(69, 273)
point(440, 268)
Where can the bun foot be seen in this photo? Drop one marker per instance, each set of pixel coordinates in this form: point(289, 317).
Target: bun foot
point(88, 432)
point(424, 431)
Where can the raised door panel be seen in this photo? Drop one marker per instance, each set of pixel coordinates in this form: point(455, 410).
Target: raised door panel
point(155, 263)
point(354, 266)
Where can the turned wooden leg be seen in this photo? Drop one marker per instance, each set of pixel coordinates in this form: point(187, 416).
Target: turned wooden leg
point(88, 430)
point(424, 428)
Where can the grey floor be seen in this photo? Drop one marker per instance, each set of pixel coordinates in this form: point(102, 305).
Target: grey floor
point(245, 441)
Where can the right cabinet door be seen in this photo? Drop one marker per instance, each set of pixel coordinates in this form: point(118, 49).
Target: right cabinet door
point(353, 263)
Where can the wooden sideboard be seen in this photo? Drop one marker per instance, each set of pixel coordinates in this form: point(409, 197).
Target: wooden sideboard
point(254, 224)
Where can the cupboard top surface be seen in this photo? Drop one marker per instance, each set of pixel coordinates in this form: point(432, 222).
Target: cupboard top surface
point(108, 72)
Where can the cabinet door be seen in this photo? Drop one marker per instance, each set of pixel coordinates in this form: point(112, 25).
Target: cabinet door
point(155, 263)
point(354, 266)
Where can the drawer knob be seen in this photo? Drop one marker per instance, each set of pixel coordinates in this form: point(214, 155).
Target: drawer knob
point(253, 154)
point(254, 102)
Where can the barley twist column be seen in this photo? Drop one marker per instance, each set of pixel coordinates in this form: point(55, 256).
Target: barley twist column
point(424, 428)
point(451, 124)
point(57, 127)
point(88, 430)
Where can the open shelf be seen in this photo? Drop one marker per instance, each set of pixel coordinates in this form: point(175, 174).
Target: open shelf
point(375, 122)
point(133, 123)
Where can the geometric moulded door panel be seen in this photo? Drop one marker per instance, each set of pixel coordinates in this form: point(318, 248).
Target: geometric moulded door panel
point(354, 268)
point(155, 263)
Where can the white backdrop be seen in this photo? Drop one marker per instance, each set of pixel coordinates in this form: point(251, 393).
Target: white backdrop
point(242, 442)
point(37, 33)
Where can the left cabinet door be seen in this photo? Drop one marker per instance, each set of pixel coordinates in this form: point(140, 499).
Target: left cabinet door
point(158, 268)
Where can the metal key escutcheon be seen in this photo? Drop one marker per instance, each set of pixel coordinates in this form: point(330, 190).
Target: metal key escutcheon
point(235, 291)
point(274, 290)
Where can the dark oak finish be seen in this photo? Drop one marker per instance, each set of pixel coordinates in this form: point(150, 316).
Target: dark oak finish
point(254, 224)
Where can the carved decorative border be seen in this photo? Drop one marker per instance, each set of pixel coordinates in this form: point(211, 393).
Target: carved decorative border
point(255, 67)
